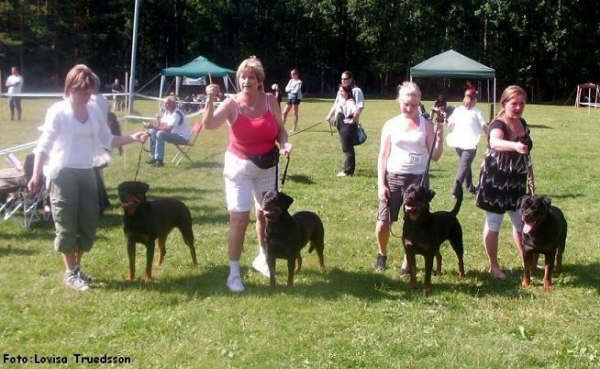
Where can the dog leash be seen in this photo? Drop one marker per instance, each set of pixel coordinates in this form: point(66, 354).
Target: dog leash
point(305, 129)
point(530, 178)
point(139, 160)
point(287, 163)
point(426, 173)
point(277, 188)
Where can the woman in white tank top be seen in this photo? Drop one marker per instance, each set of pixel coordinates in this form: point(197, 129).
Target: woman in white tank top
point(405, 144)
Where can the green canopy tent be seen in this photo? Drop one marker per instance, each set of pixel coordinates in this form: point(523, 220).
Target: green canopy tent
point(451, 64)
point(197, 68)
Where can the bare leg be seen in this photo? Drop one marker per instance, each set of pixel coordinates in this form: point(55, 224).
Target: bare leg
point(382, 233)
point(238, 222)
point(490, 240)
point(295, 118)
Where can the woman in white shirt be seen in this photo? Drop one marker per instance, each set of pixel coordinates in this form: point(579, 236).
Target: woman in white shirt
point(72, 134)
point(405, 144)
point(467, 124)
point(294, 96)
point(343, 112)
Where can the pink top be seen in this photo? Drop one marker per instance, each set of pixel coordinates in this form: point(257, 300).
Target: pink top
point(253, 136)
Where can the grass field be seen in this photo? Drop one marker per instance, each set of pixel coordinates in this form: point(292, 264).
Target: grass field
point(348, 317)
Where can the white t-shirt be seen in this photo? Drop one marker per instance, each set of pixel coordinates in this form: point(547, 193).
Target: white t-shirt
point(294, 86)
point(61, 129)
point(178, 121)
point(346, 107)
point(357, 94)
point(14, 79)
point(408, 149)
point(468, 126)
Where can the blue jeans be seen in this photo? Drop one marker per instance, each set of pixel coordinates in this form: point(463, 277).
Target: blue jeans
point(158, 139)
point(464, 173)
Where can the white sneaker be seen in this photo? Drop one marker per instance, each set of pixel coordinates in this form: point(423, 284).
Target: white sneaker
point(260, 264)
point(85, 277)
point(234, 283)
point(342, 174)
point(72, 280)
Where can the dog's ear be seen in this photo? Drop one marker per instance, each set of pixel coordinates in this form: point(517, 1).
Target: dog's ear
point(285, 200)
point(547, 200)
point(430, 194)
point(522, 201)
point(143, 188)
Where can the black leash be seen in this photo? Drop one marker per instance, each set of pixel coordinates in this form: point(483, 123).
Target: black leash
point(305, 129)
point(426, 173)
point(137, 170)
point(287, 163)
point(530, 178)
point(277, 188)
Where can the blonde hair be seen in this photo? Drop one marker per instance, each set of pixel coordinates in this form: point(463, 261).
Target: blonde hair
point(508, 94)
point(80, 77)
point(254, 65)
point(409, 89)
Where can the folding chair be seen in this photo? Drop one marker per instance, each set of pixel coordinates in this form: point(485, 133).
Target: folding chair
point(184, 149)
point(16, 197)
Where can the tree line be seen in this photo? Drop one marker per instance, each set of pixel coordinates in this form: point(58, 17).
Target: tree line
point(547, 46)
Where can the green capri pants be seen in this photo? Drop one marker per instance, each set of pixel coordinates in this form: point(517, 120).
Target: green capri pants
point(74, 199)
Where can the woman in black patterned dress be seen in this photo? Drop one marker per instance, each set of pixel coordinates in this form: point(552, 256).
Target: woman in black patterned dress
point(503, 176)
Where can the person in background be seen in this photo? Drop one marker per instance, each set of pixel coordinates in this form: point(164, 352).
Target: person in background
point(171, 127)
point(14, 82)
point(504, 172)
point(439, 109)
point(255, 127)
point(342, 115)
point(467, 124)
point(406, 141)
point(118, 101)
point(72, 133)
point(277, 93)
point(294, 95)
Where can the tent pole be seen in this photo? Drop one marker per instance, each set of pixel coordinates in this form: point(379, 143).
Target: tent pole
point(160, 89)
point(493, 110)
point(133, 55)
point(177, 83)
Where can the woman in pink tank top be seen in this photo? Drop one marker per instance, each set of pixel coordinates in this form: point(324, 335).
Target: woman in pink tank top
point(255, 128)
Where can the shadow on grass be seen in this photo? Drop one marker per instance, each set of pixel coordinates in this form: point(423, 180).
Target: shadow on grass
point(300, 178)
point(579, 276)
point(331, 285)
point(211, 282)
point(567, 196)
point(6, 250)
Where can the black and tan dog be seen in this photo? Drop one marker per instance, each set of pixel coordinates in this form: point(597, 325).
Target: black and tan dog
point(286, 235)
point(423, 232)
point(148, 221)
point(544, 232)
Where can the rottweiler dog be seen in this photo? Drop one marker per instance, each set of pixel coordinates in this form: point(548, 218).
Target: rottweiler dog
point(423, 232)
point(286, 235)
point(544, 232)
point(148, 221)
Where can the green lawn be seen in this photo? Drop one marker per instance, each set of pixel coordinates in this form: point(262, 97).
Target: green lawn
point(346, 318)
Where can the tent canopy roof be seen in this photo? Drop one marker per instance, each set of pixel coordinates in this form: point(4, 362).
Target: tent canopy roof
point(197, 68)
point(451, 64)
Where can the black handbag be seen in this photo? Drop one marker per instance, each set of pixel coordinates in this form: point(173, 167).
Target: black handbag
point(361, 135)
point(267, 160)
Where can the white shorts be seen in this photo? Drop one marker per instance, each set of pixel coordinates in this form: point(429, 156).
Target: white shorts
point(244, 180)
point(494, 220)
